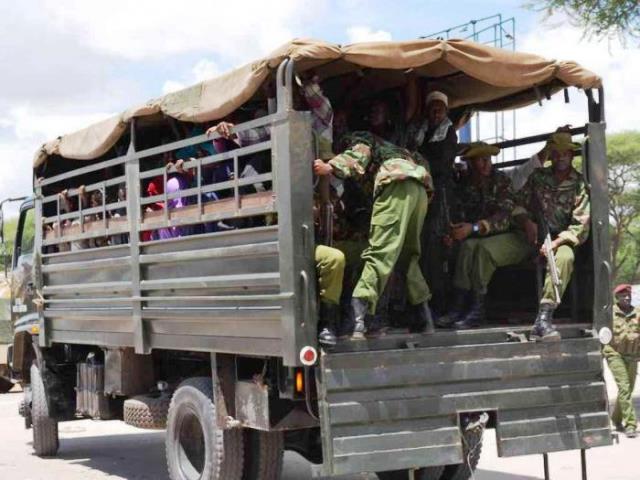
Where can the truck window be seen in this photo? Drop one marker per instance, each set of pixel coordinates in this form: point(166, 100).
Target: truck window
point(26, 235)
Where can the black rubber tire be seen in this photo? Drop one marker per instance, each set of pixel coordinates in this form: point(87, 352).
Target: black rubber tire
point(45, 428)
point(219, 453)
point(263, 455)
point(5, 385)
point(463, 471)
point(427, 473)
point(147, 411)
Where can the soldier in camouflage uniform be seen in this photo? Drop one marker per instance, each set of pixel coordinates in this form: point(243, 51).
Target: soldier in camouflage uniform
point(555, 199)
point(486, 201)
point(401, 190)
point(622, 355)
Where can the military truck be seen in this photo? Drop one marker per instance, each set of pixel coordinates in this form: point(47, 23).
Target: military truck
point(211, 332)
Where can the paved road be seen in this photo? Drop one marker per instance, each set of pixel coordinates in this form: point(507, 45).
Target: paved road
point(98, 450)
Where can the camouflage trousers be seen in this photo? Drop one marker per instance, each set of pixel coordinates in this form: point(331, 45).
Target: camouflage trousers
point(394, 237)
point(479, 258)
point(330, 263)
point(624, 370)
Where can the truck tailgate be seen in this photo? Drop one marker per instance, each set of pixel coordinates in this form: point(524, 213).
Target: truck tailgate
point(393, 409)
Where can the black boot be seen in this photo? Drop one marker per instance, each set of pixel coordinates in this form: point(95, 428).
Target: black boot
point(422, 319)
point(543, 329)
point(457, 312)
point(329, 318)
point(476, 315)
point(360, 307)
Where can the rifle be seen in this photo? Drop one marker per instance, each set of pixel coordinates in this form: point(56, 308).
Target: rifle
point(552, 266)
point(444, 222)
point(326, 210)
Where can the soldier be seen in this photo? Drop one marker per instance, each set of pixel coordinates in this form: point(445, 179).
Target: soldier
point(622, 355)
point(401, 191)
point(555, 199)
point(487, 200)
point(434, 137)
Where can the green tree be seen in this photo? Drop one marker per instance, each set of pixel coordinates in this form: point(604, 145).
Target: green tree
point(598, 18)
point(623, 153)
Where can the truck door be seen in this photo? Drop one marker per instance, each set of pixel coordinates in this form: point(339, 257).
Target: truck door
point(23, 314)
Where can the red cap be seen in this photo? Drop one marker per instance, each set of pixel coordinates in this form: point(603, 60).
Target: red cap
point(623, 287)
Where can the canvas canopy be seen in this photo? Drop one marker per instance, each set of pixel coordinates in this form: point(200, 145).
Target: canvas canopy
point(473, 75)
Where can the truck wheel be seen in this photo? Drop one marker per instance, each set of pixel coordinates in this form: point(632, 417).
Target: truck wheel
point(263, 454)
point(45, 428)
point(472, 448)
point(5, 385)
point(196, 448)
point(428, 473)
point(147, 411)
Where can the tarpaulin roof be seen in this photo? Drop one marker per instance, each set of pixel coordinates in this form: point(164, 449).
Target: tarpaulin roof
point(483, 77)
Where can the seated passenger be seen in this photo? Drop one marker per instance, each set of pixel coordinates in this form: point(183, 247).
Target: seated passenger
point(555, 199)
point(401, 190)
point(487, 201)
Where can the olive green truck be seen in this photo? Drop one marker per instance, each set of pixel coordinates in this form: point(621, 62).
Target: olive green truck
point(211, 333)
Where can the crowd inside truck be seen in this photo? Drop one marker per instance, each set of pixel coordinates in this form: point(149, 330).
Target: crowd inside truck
point(311, 260)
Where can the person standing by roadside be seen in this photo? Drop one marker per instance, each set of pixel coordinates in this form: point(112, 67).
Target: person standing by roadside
point(622, 355)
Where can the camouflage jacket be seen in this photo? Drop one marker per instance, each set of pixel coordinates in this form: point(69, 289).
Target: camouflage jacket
point(490, 204)
point(368, 155)
point(565, 205)
point(626, 332)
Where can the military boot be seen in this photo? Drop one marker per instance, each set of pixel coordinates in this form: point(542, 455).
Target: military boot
point(329, 318)
point(543, 329)
point(477, 314)
point(457, 312)
point(422, 319)
point(359, 307)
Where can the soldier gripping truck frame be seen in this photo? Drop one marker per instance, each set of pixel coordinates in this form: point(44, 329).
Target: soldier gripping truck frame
point(194, 307)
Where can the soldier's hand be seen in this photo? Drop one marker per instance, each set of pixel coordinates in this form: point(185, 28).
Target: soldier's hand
point(460, 231)
point(321, 168)
point(531, 232)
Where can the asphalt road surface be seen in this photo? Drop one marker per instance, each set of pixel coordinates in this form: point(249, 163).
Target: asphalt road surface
point(97, 450)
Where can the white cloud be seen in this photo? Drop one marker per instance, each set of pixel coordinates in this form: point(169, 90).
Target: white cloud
point(149, 29)
point(170, 86)
point(361, 33)
point(31, 125)
point(203, 70)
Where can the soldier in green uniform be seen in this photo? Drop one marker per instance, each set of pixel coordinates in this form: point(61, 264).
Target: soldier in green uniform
point(555, 199)
point(486, 200)
point(401, 190)
point(622, 355)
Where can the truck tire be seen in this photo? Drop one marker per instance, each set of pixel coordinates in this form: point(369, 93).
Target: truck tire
point(263, 455)
point(5, 385)
point(427, 473)
point(472, 448)
point(195, 447)
point(147, 411)
point(45, 428)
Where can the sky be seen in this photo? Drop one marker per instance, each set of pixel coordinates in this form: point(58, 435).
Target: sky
point(70, 63)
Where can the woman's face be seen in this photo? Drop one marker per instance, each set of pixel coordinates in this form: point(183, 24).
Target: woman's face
point(436, 112)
